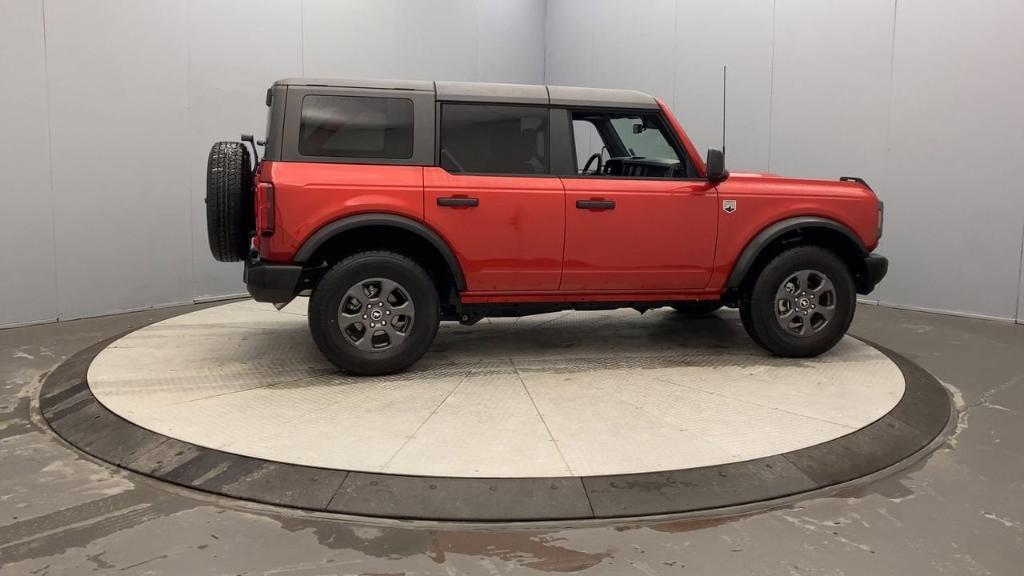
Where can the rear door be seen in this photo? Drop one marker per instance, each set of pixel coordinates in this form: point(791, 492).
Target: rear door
point(493, 197)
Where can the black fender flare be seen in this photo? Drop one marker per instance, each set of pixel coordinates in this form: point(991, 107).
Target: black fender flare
point(775, 231)
point(325, 233)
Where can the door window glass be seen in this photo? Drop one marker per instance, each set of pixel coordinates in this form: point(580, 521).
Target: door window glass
point(494, 139)
point(626, 144)
point(643, 140)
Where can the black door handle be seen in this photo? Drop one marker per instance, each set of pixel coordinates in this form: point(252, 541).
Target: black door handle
point(595, 204)
point(457, 201)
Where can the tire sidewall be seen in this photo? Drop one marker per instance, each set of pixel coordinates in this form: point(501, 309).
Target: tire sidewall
point(230, 212)
point(329, 293)
point(762, 309)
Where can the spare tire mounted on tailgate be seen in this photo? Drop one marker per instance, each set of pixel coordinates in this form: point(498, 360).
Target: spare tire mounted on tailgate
point(230, 217)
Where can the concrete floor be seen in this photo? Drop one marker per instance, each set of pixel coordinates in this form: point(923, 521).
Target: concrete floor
point(960, 511)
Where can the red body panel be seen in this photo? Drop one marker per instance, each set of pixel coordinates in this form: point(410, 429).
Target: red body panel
point(762, 200)
point(660, 235)
point(309, 196)
point(526, 241)
point(512, 240)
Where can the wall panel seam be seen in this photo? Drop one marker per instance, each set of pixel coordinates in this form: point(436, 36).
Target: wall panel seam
point(193, 288)
point(771, 83)
point(49, 161)
point(1020, 275)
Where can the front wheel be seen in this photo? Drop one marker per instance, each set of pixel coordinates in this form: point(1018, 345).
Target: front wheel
point(801, 304)
point(374, 313)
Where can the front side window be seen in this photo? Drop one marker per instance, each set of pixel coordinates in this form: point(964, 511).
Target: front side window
point(356, 127)
point(642, 138)
point(632, 144)
point(494, 139)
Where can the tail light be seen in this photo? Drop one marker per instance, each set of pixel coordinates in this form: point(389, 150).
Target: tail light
point(881, 217)
point(264, 202)
point(264, 209)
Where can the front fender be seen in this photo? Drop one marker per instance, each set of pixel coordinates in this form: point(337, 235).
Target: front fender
point(776, 231)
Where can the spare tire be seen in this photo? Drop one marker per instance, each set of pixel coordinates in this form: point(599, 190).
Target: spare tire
point(230, 214)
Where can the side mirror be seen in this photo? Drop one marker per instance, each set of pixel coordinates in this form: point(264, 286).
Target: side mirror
point(716, 165)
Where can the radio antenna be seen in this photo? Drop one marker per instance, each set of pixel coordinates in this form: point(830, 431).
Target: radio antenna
point(724, 70)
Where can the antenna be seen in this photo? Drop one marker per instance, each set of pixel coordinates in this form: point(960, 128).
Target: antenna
point(724, 84)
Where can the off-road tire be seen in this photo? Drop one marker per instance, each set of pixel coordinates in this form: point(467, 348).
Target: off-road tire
point(758, 306)
point(697, 308)
point(327, 299)
point(230, 214)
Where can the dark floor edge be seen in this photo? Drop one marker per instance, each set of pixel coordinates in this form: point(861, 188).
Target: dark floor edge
point(909, 430)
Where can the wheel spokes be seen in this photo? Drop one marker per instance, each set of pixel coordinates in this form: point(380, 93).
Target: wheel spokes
point(803, 279)
point(376, 314)
point(805, 302)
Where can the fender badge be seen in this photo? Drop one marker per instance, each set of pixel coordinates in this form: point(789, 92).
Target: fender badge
point(729, 206)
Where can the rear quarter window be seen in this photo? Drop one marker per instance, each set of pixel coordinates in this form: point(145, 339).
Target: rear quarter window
point(356, 127)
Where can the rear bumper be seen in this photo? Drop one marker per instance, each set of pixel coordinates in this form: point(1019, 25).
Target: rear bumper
point(875, 269)
point(274, 283)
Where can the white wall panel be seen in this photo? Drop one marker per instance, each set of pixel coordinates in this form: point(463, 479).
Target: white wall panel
point(237, 49)
point(954, 201)
point(674, 50)
point(737, 34)
point(830, 100)
point(28, 289)
point(138, 91)
point(569, 58)
point(611, 44)
point(437, 40)
point(511, 41)
point(632, 46)
point(351, 38)
point(105, 169)
point(119, 101)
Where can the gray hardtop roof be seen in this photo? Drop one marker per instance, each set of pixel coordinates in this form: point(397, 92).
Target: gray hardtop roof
point(493, 92)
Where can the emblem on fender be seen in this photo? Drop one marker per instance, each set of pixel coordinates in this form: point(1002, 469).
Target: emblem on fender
point(729, 206)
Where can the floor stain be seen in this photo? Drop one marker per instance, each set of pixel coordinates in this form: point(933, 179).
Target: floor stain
point(535, 550)
point(76, 526)
point(16, 421)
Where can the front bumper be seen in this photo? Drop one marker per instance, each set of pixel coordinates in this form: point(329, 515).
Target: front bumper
point(275, 283)
point(875, 268)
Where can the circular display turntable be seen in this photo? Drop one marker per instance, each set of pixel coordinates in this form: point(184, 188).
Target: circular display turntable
point(565, 415)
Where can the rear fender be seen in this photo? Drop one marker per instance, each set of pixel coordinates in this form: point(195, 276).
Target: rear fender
point(322, 236)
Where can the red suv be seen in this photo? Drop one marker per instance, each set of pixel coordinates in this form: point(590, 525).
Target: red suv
point(397, 204)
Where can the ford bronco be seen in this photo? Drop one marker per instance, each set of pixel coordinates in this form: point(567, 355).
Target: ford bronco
point(395, 205)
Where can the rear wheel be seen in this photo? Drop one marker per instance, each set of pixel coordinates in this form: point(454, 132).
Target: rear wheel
point(374, 313)
point(697, 308)
point(801, 304)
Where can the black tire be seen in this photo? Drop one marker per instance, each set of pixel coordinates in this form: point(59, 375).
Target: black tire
point(766, 323)
point(697, 308)
point(325, 311)
point(230, 213)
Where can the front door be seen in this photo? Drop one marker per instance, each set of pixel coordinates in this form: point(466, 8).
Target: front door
point(493, 198)
point(636, 218)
